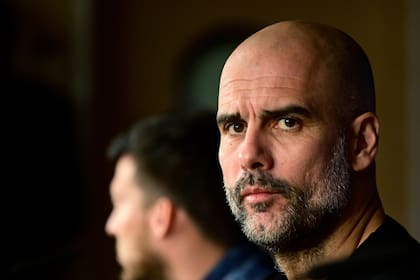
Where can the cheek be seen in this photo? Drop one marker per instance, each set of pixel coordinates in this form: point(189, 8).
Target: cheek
point(130, 225)
point(300, 163)
point(130, 243)
point(127, 221)
point(228, 163)
point(315, 168)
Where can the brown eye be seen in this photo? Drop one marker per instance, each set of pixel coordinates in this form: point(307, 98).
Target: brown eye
point(235, 128)
point(288, 123)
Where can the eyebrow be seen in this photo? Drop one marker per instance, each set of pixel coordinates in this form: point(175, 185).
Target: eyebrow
point(267, 114)
point(224, 118)
point(291, 109)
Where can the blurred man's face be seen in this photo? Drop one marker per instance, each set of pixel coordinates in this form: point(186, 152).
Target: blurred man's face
point(129, 224)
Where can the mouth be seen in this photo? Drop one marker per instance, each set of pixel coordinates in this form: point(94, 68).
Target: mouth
point(257, 194)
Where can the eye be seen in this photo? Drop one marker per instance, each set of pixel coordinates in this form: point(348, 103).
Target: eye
point(235, 128)
point(288, 123)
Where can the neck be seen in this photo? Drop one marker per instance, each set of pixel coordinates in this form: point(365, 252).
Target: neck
point(190, 255)
point(195, 262)
point(350, 232)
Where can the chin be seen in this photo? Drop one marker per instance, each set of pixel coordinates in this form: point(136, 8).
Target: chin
point(269, 209)
point(130, 275)
point(132, 272)
point(262, 220)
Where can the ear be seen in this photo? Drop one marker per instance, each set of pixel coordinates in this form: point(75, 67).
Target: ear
point(162, 217)
point(364, 143)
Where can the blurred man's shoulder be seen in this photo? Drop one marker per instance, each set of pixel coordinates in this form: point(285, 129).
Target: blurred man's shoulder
point(276, 276)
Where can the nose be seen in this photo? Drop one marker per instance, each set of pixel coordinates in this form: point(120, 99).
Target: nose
point(254, 152)
point(110, 225)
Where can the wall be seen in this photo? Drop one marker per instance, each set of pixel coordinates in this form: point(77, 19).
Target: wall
point(117, 61)
point(141, 41)
point(144, 39)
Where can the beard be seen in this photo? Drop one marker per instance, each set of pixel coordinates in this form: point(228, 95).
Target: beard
point(310, 212)
point(151, 269)
point(150, 266)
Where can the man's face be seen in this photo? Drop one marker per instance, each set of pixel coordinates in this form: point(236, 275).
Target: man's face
point(283, 159)
point(128, 223)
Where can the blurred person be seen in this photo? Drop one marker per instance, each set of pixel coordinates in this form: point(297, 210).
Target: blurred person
point(299, 137)
point(170, 217)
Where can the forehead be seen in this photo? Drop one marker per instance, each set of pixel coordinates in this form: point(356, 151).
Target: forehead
point(125, 167)
point(255, 96)
point(265, 86)
point(271, 85)
point(124, 178)
point(269, 68)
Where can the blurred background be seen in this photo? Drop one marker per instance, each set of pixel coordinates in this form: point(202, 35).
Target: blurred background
point(75, 73)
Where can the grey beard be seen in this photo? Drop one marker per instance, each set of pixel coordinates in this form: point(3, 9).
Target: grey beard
point(311, 210)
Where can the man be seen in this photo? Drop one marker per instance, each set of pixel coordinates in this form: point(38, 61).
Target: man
point(170, 217)
point(299, 136)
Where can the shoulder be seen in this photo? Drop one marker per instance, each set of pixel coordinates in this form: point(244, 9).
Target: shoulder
point(276, 276)
point(244, 261)
point(389, 253)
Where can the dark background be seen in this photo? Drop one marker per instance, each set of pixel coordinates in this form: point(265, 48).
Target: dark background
point(75, 73)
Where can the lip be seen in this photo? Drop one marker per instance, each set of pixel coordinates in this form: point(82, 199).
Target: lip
point(256, 194)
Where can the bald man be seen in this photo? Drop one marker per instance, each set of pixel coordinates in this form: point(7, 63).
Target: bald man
point(299, 137)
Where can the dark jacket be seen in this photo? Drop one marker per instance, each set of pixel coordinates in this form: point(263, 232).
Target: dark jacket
point(389, 253)
point(243, 262)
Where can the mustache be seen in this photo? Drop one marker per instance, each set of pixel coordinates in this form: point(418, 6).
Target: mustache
point(264, 180)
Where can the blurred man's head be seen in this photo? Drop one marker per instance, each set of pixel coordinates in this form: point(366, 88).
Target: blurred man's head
point(166, 161)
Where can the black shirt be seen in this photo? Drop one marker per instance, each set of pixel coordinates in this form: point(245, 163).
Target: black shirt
point(389, 253)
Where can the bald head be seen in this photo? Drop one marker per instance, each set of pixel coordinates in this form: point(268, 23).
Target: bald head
point(310, 56)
